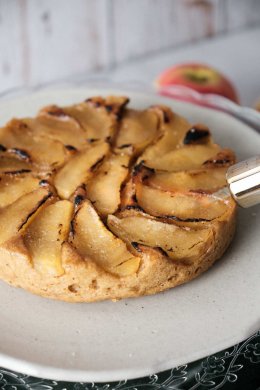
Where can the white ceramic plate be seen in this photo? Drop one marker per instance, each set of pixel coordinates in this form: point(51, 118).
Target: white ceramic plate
point(111, 341)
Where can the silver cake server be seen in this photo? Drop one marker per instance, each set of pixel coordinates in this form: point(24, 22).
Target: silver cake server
point(243, 181)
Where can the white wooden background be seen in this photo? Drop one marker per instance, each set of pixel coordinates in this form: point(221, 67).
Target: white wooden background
point(45, 40)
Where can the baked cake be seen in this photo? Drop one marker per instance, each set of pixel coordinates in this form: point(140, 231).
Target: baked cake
point(100, 201)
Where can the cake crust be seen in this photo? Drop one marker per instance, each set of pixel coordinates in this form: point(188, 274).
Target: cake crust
point(84, 281)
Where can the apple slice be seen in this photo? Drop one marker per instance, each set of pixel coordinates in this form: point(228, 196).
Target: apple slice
point(20, 138)
point(104, 187)
point(137, 129)
point(189, 206)
point(112, 104)
point(11, 165)
point(195, 180)
point(185, 158)
point(128, 197)
point(61, 128)
point(92, 239)
point(224, 158)
point(98, 116)
point(178, 243)
point(12, 188)
point(172, 128)
point(45, 235)
point(78, 169)
point(197, 134)
point(138, 174)
point(15, 217)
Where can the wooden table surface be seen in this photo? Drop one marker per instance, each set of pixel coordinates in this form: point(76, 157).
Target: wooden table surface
point(43, 41)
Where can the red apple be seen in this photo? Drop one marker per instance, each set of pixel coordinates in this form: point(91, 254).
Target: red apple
point(200, 77)
point(257, 105)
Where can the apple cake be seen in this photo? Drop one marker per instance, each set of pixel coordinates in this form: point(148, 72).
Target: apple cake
point(101, 201)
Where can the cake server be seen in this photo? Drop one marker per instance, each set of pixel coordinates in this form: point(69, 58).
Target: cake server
point(243, 181)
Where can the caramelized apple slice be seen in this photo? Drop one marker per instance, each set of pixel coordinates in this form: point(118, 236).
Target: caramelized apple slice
point(45, 235)
point(177, 242)
point(197, 134)
point(112, 104)
point(104, 188)
point(12, 188)
point(189, 206)
point(128, 197)
point(78, 169)
point(224, 158)
point(11, 165)
point(98, 116)
point(195, 180)
point(173, 129)
point(20, 138)
point(128, 193)
point(92, 239)
point(57, 127)
point(137, 129)
point(185, 158)
point(15, 217)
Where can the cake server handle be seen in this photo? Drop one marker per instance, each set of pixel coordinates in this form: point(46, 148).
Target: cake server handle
point(243, 181)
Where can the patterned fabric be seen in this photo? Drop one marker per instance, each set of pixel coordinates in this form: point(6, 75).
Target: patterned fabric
point(235, 368)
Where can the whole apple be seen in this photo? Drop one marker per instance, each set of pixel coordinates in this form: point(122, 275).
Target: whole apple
point(202, 78)
point(257, 105)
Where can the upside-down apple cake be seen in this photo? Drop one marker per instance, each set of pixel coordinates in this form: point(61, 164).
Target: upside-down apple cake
point(100, 201)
